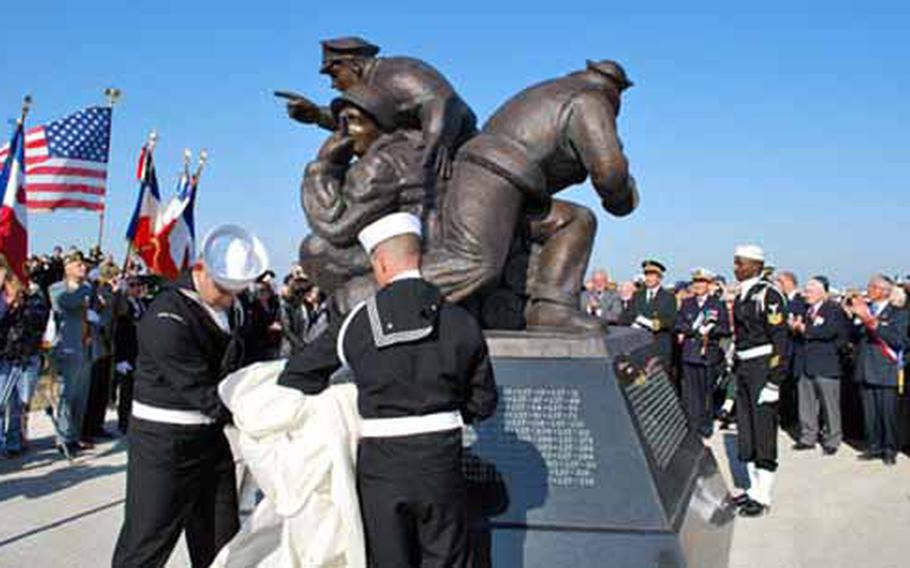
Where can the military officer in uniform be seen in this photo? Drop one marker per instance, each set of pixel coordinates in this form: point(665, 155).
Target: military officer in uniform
point(423, 99)
point(760, 328)
point(180, 470)
point(422, 370)
point(701, 323)
point(653, 308)
point(365, 170)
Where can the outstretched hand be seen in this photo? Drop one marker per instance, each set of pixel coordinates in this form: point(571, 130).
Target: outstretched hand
point(303, 110)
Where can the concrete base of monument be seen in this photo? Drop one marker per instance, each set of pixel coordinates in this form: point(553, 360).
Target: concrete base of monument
point(588, 461)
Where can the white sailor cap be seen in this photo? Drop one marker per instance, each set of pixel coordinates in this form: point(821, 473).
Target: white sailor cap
point(234, 257)
point(384, 228)
point(750, 252)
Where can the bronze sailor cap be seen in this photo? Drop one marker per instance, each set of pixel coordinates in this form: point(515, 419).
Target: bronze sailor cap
point(339, 49)
point(611, 69)
point(370, 100)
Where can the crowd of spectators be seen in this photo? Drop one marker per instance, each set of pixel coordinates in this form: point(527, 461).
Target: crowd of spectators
point(836, 380)
point(75, 320)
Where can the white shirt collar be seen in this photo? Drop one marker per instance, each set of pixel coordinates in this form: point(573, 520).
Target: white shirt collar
point(413, 273)
point(747, 285)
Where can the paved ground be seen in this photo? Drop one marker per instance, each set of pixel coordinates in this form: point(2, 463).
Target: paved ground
point(829, 512)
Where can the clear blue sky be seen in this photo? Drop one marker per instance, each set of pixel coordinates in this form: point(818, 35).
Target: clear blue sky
point(778, 123)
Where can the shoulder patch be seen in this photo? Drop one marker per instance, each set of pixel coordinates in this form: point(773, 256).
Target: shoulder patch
point(172, 316)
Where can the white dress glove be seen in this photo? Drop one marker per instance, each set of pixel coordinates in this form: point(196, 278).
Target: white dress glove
point(769, 394)
point(92, 316)
point(123, 368)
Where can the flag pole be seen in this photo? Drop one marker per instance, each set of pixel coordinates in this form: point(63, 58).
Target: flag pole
point(113, 95)
point(26, 106)
point(150, 147)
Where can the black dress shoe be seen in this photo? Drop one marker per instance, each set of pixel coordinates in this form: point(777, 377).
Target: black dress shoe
point(753, 508)
point(801, 447)
point(830, 451)
point(889, 459)
point(869, 455)
point(740, 499)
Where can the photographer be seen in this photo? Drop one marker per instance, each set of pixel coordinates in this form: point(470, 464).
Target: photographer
point(293, 313)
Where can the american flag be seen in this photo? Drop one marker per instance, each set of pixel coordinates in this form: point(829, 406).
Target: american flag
point(66, 161)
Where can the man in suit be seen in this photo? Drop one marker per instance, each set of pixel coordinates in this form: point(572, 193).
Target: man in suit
point(788, 284)
point(880, 330)
point(422, 369)
point(653, 308)
point(602, 301)
point(821, 332)
point(701, 323)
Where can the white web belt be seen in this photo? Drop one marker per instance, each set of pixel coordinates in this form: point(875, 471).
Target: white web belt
point(169, 415)
point(755, 352)
point(410, 425)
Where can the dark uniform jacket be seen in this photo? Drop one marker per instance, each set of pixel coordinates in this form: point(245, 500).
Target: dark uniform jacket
point(873, 366)
point(128, 313)
point(662, 311)
point(183, 354)
point(826, 330)
point(760, 318)
point(796, 348)
point(411, 354)
point(698, 348)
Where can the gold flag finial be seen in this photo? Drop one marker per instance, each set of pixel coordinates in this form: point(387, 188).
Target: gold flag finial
point(113, 95)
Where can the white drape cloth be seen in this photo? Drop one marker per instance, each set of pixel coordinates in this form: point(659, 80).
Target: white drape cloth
point(301, 451)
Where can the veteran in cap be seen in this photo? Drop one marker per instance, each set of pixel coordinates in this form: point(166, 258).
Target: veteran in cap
point(69, 309)
point(422, 370)
point(701, 323)
point(653, 308)
point(180, 470)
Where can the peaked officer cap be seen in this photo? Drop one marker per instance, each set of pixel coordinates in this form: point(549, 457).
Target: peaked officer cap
point(339, 49)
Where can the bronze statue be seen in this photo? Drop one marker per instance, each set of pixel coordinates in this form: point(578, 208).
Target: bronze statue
point(504, 240)
point(424, 100)
point(340, 197)
point(546, 138)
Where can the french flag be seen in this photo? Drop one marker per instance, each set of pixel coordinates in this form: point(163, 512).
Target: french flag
point(176, 234)
point(13, 219)
point(141, 231)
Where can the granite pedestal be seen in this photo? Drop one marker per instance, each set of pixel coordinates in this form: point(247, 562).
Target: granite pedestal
point(589, 463)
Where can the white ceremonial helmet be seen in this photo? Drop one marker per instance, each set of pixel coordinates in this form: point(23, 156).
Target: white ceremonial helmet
point(234, 257)
point(384, 228)
point(750, 252)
